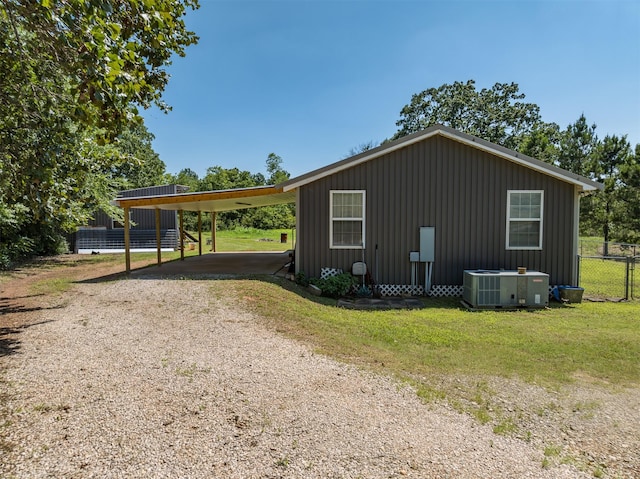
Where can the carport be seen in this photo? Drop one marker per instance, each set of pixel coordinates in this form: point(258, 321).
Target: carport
point(204, 201)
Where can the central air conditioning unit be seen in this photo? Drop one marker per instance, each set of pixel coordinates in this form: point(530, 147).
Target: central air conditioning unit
point(490, 289)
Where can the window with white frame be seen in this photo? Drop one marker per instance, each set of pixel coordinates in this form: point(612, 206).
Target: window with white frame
point(524, 219)
point(346, 225)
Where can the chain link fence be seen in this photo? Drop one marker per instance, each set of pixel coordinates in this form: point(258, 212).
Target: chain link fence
point(607, 270)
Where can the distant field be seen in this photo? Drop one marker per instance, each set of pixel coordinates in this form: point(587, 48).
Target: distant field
point(248, 239)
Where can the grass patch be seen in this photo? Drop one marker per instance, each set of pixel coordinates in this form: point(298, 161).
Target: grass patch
point(248, 239)
point(51, 286)
point(603, 278)
point(600, 341)
point(505, 427)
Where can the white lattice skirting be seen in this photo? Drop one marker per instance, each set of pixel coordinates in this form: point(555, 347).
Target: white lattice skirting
point(440, 290)
point(329, 272)
point(437, 290)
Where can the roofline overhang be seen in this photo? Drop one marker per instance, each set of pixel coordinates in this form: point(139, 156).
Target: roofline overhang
point(200, 196)
point(583, 183)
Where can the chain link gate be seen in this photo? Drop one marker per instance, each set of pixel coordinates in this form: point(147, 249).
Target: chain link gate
point(608, 277)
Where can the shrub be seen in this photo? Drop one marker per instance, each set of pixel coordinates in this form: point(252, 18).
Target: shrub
point(302, 279)
point(21, 248)
point(334, 286)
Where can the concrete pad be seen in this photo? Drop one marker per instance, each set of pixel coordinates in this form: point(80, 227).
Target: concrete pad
point(235, 263)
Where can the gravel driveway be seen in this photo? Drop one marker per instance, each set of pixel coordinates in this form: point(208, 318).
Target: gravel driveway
point(165, 378)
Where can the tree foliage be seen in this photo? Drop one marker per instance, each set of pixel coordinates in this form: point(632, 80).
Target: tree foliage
point(141, 165)
point(361, 148)
point(496, 114)
point(627, 219)
point(577, 146)
point(73, 74)
point(219, 178)
point(608, 213)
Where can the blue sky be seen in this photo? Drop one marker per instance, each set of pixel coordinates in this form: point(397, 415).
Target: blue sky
point(310, 80)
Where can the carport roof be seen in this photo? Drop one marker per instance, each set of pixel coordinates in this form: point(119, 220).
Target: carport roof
point(221, 200)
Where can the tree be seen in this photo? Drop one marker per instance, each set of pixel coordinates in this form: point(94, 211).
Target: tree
point(219, 178)
point(111, 55)
point(73, 74)
point(627, 218)
point(267, 217)
point(577, 146)
point(142, 166)
point(361, 148)
point(275, 216)
point(186, 177)
point(543, 142)
point(610, 213)
point(613, 163)
point(496, 114)
point(274, 168)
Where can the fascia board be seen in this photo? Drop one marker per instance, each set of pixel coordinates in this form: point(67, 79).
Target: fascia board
point(356, 160)
point(523, 160)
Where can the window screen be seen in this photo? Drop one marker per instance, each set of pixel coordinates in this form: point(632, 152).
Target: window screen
point(524, 219)
point(347, 219)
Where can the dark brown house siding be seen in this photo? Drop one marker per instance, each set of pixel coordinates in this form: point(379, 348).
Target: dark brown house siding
point(103, 233)
point(143, 219)
point(458, 189)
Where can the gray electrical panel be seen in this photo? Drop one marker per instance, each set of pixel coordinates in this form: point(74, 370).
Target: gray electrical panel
point(427, 244)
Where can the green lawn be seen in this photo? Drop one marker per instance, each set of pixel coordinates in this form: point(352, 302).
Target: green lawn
point(604, 278)
point(551, 347)
point(248, 239)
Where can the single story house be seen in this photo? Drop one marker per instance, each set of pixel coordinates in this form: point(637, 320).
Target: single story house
point(429, 205)
point(478, 205)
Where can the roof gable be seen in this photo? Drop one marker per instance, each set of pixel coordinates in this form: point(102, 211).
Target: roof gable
point(583, 183)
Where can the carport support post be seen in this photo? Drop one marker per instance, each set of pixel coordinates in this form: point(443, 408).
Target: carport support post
point(199, 233)
point(158, 238)
point(127, 241)
point(214, 227)
point(181, 217)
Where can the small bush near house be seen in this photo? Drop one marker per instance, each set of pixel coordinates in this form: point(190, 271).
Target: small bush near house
point(334, 286)
point(302, 279)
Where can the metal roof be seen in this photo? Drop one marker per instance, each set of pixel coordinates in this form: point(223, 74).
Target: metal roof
point(583, 183)
point(221, 200)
